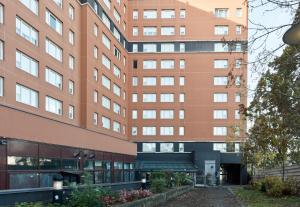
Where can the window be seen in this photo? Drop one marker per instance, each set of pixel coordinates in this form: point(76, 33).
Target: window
point(167, 14)
point(149, 114)
point(135, 64)
point(238, 63)
point(220, 97)
point(117, 72)
point(134, 131)
point(181, 114)
point(53, 22)
point(237, 114)
point(107, 3)
point(117, 53)
point(27, 31)
point(117, 108)
point(182, 30)
point(71, 37)
point(149, 147)
point(116, 126)
point(166, 131)
point(166, 97)
point(1, 86)
point(105, 122)
point(167, 64)
point(27, 64)
point(106, 41)
point(221, 47)
point(181, 147)
point(95, 29)
point(54, 78)
point(95, 94)
point(149, 97)
point(238, 47)
point(221, 13)
point(220, 131)
point(149, 131)
point(167, 31)
point(149, 47)
point(1, 14)
point(220, 147)
point(134, 81)
point(149, 64)
point(117, 16)
point(105, 20)
point(182, 13)
point(95, 74)
point(59, 3)
point(117, 35)
point(167, 47)
point(238, 12)
point(95, 52)
point(135, 14)
point(221, 30)
point(117, 90)
point(71, 62)
point(134, 114)
point(134, 98)
point(95, 118)
point(53, 105)
point(106, 61)
point(71, 112)
point(32, 5)
point(149, 81)
point(182, 64)
point(150, 14)
point(71, 12)
point(25, 95)
point(135, 31)
point(166, 114)
point(181, 131)
point(238, 30)
point(167, 81)
point(106, 102)
point(53, 50)
point(106, 82)
point(166, 147)
point(238, 80)
point(220, 64)
point(221, 81)
point(1, 50)
point(237, 97)
point(181, 81)
point(71, 87)
point(181, 97)
point(182, 47)
point(150, 31)
point(220, 114)
point(134, 47)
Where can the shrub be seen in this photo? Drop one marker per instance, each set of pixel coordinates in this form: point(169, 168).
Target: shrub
point(182, 179)
point(256, 184)
point(290, 186)
point(158, 175)
point(128, 196)
point(273, 186)
point(158, 185)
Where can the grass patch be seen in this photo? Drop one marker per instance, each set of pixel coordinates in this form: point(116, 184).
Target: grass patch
point(254, 198)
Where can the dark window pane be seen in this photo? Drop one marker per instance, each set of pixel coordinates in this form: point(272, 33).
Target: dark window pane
point(126, 176)
point(107, 176)
point(126, 166)
point(46, 179)
point(28, 180)
point(22, 163)
point(49, 164)
point(118, 174)
point(98, 177)
point(118, 165)
point(135, 63)
point(106, 165)
point(70, 164)
point(132, 176)
point(88, 165)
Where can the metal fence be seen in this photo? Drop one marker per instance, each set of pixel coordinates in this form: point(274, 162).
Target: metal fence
point(290, 171)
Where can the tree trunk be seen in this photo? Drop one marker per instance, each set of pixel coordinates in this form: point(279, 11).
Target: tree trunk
point(283, 170)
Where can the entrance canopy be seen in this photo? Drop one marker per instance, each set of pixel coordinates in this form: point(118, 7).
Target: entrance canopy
point(149, 166)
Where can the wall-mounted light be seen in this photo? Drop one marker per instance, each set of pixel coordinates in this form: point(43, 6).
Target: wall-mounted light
point(292, 36)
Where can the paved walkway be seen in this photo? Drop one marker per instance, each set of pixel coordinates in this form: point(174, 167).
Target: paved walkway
point(205, 197)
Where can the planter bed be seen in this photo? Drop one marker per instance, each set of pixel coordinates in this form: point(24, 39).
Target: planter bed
point(157, 199)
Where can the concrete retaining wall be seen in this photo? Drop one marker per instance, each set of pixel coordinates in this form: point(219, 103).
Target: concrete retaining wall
point(158, 199)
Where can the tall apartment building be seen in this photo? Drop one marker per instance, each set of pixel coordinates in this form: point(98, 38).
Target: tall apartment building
point(82, 82)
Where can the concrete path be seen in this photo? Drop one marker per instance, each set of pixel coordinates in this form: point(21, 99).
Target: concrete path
point(205, 197)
